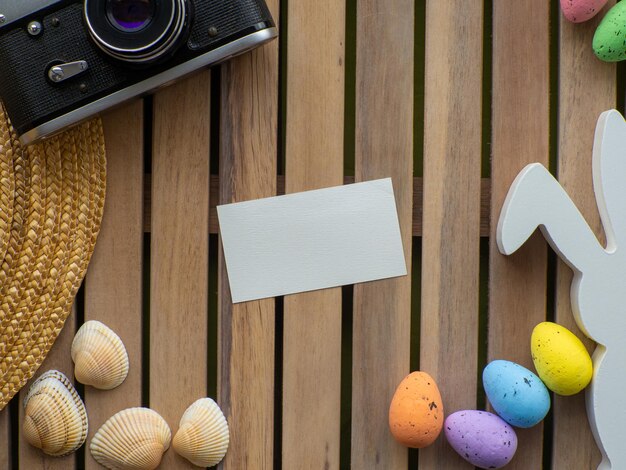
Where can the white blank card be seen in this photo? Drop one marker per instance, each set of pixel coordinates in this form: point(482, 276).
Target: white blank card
point(311, 240)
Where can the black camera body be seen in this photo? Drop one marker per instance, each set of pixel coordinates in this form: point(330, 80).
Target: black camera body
point(62, 61)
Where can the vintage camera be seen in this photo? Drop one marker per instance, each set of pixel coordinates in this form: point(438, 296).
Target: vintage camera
point(62, 61)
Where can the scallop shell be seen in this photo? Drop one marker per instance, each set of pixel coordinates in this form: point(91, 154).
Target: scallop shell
point(202, 437)
point(134, 438)
point(55, 419)
point(99, 356)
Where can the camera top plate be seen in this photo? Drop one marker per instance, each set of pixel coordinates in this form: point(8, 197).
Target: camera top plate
point(15, 10)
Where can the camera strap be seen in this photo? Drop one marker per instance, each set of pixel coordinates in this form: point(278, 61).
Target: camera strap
point(51, 204)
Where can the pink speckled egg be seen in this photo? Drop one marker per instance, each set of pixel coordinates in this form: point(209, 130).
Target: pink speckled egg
point(578, 11)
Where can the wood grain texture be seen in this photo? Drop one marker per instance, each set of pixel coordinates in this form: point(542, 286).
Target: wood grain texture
point(31, 458)
point(520, 135)
point(485, 203)
point(113, 286)
point(587, 87)
point(384, 147)
point(314, 159)
point(248, 161)
point(5, 438)
point(179, 251)
point(452, 188)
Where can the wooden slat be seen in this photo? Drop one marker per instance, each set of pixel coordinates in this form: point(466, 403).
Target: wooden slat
point(384, 147)
point(520, 134)
point(5, 438)
point(31, 458)
point(314, 159)
point(179, 251)
point(485, 203)
point(248, 159)
point(113, 286)
point(451, 240)
point(586, 89)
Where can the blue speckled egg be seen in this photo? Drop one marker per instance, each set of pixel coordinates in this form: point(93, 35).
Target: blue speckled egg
point(516, 394)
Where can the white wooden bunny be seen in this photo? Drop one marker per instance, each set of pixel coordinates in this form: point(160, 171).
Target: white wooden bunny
point(598, 291)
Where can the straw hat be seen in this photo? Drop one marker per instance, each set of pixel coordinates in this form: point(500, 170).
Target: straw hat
point(51, 204)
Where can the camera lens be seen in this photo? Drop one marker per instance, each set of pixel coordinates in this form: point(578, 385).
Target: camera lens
point(138, 31)
point(130, 15)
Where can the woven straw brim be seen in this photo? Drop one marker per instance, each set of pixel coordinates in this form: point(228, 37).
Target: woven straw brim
point(55, 200)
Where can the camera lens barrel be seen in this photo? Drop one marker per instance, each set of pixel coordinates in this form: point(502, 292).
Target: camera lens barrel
point(137, 31)
point(130, 15)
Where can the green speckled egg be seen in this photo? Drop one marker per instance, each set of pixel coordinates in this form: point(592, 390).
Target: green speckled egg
point(609, 41)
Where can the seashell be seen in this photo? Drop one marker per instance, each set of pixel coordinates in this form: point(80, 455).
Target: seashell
point(99, 356)
point(55, 419)
point(202, 437)
point(134, 438)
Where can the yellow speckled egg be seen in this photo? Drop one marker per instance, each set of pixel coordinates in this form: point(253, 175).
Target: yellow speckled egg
point(416, 411)
point(561, 359)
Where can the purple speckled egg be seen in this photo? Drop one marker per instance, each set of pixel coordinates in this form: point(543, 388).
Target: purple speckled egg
point(482, 438)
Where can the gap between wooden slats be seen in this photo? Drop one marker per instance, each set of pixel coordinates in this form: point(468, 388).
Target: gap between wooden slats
point(248, 164)
point(485, 203)
point(179, 251)
point(314, 159)
point(5, 438)
point(587, 87)
point(113, 286)
point(31, 458)
point(451, 238)
point(520, 135)
point(384, 147)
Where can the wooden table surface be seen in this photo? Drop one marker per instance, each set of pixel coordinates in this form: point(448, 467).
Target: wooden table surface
point(451, 98)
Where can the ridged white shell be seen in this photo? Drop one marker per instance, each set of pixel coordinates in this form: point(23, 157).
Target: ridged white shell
point(202, 437)
point(134, 438)
point(55, 419)
point(99, 356)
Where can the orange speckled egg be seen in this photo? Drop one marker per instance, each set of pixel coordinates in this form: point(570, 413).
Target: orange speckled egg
point(416, 411)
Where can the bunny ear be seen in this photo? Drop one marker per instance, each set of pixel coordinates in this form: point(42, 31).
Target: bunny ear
point(536, 199)
point(609, 176)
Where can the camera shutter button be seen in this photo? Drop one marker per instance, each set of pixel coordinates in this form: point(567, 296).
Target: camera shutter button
point(61, 72)
point(34, 28)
